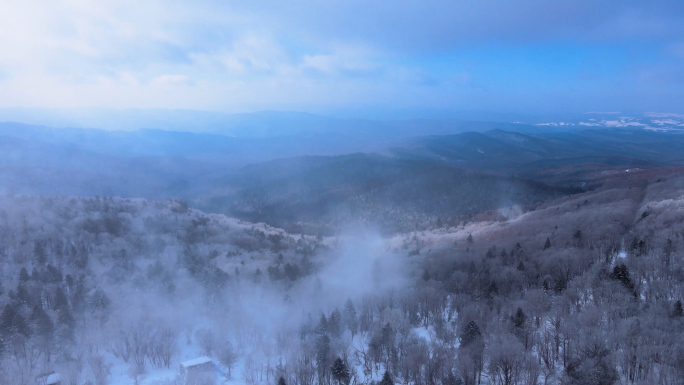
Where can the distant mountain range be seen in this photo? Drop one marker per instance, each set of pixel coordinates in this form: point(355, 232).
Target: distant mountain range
point(651, 121)
point(284, 123)
point(532, 156)
point(307, 193)
point(382, 173)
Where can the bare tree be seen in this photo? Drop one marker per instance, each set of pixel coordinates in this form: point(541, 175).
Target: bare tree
point(122, 346)
point(505, 359)
point(162, 347)
point(250, 372)
point(141, 335)
point(206, 340)
point(136, 373)
point(98, 369)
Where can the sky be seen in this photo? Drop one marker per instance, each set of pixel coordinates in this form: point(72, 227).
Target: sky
point(305, 55)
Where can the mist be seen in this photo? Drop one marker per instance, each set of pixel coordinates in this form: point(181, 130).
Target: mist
point(496, 256)
point(341, 193)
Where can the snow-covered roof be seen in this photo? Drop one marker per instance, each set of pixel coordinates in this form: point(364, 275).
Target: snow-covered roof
point(196, 361)
point(52, 379)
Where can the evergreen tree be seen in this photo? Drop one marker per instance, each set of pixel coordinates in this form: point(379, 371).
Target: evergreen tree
point(53, 275)
point(322, 349)
point(491, 252)
point(678, 309)
point(387, 335)
point(492, 291)
point(517, 250)
point(335, 323)
point(577, 237)
point(60, 301)
point(65, 318)
point(12, 323)
point(669, 248)
point(99, 300)
point(292, 271)
point(621, 273)
point(41, 322)
point(547, 245)
point(642, 247)
point(39, 253)
point(350, 318)
point(470, 334)
point(340, 372)
point(322, 327)
point(281, 381)
point(521, 266)
point(322, 356)
point(519, 319)
point(23, 295)
point(23, 275)
point(560, 283)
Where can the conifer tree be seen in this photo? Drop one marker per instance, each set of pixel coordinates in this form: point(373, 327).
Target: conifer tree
point(678, 309)
point(340, 372)
point(335, 323)
point(470, 334)
point(350, 318)
point(41, 322)
point(23, 275)
point(521, 266)
point(621, 273)
point(519, 318)
point(322, 327)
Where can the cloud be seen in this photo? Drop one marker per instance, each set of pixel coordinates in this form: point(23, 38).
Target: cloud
point(170, 80)
point(343, 61)
point(244, 55)
point(420, 26)
point(240, 55)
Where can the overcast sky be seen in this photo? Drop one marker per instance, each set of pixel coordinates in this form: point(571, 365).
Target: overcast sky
point(496, 55)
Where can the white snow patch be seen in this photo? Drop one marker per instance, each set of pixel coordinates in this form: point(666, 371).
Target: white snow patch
point(666, 121)
point(424, 333)
point(196, 361)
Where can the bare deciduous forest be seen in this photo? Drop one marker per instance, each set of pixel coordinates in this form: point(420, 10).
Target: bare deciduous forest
point(582, 289)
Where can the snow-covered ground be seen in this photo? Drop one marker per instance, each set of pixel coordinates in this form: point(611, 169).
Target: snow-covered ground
point(153, 376)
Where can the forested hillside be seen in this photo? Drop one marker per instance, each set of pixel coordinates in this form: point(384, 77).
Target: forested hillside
point(582, 289)
point(310, 193)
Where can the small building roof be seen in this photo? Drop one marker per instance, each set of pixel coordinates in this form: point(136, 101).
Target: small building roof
point(196, 361)
point(53, 379)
